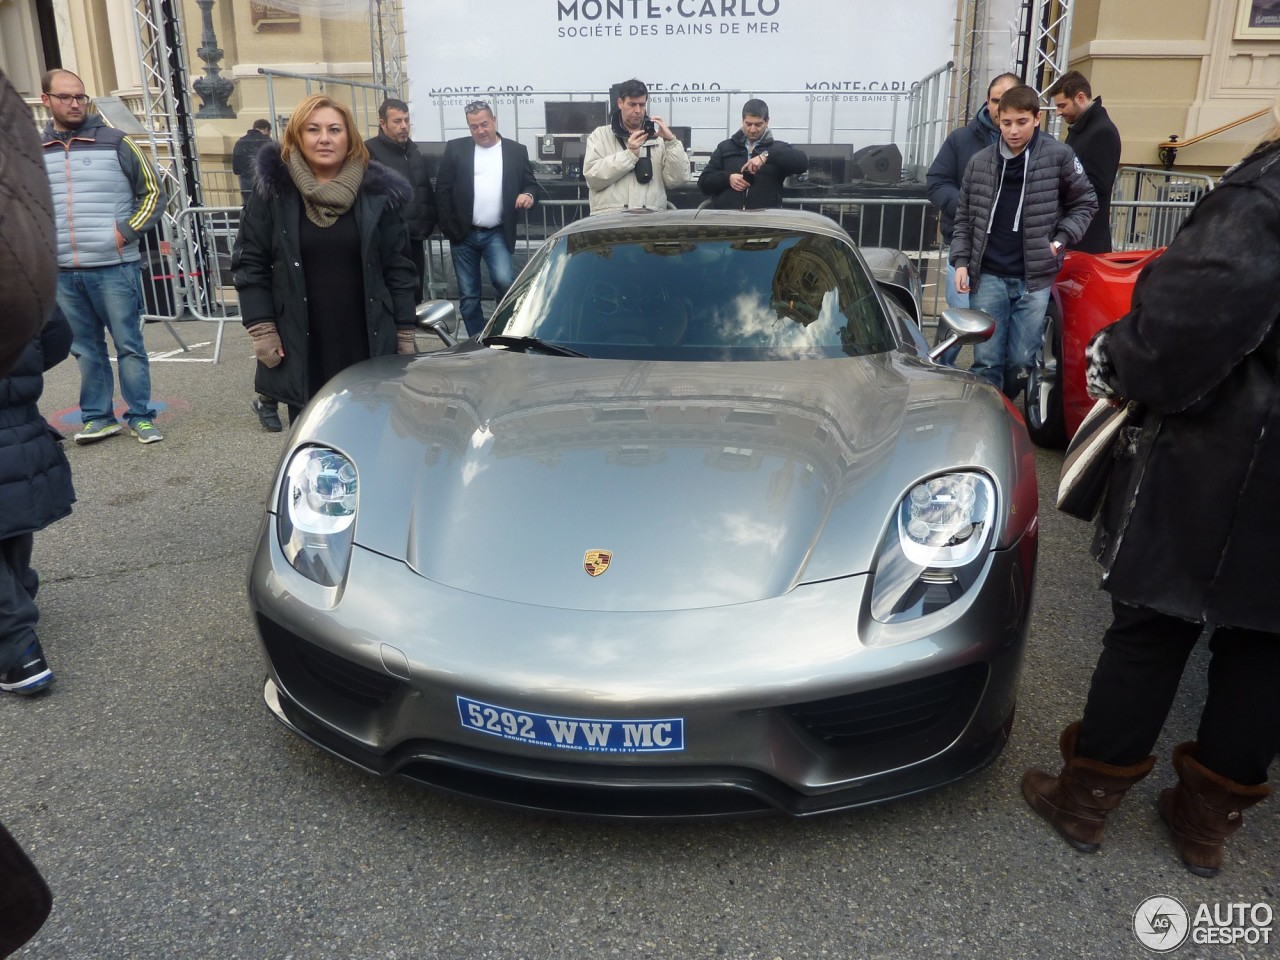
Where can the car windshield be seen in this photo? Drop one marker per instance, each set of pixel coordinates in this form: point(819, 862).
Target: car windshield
point(691, 292)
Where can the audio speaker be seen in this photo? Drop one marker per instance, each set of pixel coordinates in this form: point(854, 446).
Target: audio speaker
point(880, 163)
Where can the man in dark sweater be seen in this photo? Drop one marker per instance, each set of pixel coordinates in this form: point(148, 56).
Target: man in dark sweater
point(1023, 200)
point(393, 148)
point(245, 152)
point(1096, 141)
point(946, 175)
point(746, 171)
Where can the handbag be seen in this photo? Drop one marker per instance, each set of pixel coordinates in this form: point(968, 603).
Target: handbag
point(1090, 458)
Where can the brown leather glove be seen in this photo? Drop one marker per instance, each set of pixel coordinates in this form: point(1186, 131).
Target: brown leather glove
point(266, 344)
point(406, 340)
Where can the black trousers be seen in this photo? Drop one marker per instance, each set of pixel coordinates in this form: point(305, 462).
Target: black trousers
point(18, 611)
point(418, 254)
point(1136, 679)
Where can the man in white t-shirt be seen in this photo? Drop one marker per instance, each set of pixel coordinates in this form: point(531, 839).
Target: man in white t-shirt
point(484, 180)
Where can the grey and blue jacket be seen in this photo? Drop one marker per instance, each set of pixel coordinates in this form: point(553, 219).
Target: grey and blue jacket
point(1055, 202)
point(101, 183)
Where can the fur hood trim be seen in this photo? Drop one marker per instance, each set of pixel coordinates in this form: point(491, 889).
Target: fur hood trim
point(271, 177)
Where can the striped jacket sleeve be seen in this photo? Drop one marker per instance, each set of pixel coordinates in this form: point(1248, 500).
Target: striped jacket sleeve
point(148, 194)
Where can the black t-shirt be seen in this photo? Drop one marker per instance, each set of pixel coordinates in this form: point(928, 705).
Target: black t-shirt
point(337, 328)
point(1004, 252)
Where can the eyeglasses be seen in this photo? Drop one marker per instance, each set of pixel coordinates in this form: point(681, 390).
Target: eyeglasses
point(79, 98)
point(477, 105)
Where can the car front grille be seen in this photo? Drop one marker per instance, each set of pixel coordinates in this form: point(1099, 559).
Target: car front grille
point(306, 669)
point(895, 713)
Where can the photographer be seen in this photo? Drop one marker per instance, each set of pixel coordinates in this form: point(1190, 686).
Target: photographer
point(632, 160)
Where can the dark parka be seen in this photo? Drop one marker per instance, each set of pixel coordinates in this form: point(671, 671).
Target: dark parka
point(266, 266)
point(35, 478)
point(1189, 526)
point(405, 159)
point(1096, 142)
point(766, 185)
point(1058, 205)
point(29, 251)
point(946, 173)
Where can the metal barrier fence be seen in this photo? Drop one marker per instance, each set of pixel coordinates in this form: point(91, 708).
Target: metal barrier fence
point(908, 224)
point(1148, 206)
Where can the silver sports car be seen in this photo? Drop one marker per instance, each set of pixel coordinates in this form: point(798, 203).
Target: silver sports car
point(694, 528)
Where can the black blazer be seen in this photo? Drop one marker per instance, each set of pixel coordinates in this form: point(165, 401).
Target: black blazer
point(455, 187)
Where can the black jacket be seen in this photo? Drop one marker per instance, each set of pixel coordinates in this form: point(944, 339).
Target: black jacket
point(766, 185)
point(1057, 205)
point(244, 153)
point(455, 187)
point(29, 251)
point(946, 173)
point(405, 159)
point(267, 272)
point(1096, 142)
point(1189, 525)
point(35, 477)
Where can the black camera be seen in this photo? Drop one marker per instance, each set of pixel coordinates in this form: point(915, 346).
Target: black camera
point(650, 128)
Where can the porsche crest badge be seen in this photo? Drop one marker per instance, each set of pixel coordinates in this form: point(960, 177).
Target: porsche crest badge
point(597, 562)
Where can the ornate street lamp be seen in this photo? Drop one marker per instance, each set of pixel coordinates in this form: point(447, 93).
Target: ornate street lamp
point(213, 88)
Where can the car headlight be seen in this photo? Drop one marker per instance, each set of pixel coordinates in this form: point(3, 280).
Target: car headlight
point(935, 546)
point(317, 513)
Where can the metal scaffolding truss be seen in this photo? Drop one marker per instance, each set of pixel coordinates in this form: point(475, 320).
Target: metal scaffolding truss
point(386, 38)
point(1045, 31)
point(971, 84)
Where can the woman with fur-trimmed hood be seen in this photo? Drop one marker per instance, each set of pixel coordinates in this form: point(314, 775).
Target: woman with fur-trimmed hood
point(321, 262)
point(1188, 529)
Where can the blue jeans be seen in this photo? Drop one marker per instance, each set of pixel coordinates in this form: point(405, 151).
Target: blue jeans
point(491, 245)
point(1019, 314)
point(957, 300)
point(96, 300)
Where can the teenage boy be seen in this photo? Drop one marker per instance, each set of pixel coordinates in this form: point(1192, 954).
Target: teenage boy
point(1023, 201)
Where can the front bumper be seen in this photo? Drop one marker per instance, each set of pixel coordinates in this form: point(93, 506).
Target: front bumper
point(798, 704)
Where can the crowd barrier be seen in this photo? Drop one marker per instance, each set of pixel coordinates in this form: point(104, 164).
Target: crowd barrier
point(192, 278)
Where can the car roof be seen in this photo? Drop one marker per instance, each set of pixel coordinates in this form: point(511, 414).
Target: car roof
point(772, 219)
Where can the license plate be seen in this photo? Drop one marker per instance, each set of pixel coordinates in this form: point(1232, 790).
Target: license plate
point(573, 733)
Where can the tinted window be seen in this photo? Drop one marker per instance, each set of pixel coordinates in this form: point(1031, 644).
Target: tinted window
point(722, 293)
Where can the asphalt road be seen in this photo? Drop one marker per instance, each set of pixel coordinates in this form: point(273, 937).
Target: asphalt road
point(174, 818)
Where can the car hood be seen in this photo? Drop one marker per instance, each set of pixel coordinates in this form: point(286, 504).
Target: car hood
point(706, 483)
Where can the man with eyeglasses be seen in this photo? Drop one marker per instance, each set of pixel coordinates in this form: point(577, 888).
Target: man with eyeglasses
point(483, 183)
point(105, 195)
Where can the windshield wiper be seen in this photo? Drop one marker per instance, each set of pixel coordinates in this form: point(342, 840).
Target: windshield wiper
point(531, 343)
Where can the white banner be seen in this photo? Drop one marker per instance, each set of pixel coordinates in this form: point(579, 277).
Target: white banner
point(832, 71)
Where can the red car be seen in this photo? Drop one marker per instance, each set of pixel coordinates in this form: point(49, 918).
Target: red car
point(1091, 292)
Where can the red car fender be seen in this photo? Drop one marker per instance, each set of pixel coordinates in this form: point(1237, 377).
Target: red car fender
point(1092, 291)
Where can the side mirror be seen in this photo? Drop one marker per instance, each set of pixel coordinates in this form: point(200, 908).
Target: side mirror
point(439, 317)
point(966, 326)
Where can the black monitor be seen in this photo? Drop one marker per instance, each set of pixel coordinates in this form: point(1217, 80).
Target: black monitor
point(575, 116)
point(829, 163)
point(432, 152)
point(685, 135)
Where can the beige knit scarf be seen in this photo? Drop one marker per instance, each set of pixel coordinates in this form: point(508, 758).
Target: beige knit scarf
point(326, 202)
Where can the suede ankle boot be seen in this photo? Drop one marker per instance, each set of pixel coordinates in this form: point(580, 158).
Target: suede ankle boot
point(1203, 810)
point(1076, 801)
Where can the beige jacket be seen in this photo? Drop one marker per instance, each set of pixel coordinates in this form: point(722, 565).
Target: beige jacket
point(609, 166)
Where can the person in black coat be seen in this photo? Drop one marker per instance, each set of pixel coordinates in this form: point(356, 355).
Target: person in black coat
point(245, 152)
point(1096, 141)
point(1188, 529)
point(36, 490)
point(321, 260)
point(28, 255)
point(484, 181)
point(746, 171)
point(394, 149)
